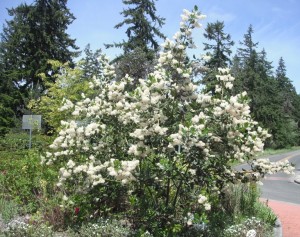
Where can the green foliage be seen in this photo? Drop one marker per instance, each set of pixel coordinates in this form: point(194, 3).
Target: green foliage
point(25, 180)
point(141, 47)
point(36, 34)
point(220, 51)
point(274, 102)
point(8, 102)
point(21, 229)
point(6, 119)
point(265, 213)
point(8, 208)
point(239, 211)
point(14, 144)
point(70, 84)
point(91, 65)
point(143, 27)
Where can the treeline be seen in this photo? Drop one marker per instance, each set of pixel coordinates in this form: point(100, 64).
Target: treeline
point(36, 36)
point(274, 101)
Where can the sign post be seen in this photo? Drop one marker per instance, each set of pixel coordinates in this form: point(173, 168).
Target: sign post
point(31, 122)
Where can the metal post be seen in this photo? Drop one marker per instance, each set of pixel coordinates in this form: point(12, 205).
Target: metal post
point(30, 134)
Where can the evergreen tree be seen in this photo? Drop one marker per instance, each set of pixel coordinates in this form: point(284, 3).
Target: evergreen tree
point(219, 51)
point(142, 32)
point(236, 72)
point(143, 27)
point(7, 101)
point(90, 64)
point(248, 60)
point(36, 34)
point(286, 89)
point(255, 77)
point(249, 50)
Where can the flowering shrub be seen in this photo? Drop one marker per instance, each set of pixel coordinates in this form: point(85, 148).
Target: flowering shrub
point(251, 227)
point(163, 151)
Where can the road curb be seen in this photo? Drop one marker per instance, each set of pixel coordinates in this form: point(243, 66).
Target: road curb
point(297, 180)
point(278, 228)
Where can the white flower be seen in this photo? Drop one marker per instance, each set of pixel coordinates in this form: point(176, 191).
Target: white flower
point(251, 233)
point(184, 17)
point(70, 164)
point(179, 70)
point(207, 206)
point(202, 199)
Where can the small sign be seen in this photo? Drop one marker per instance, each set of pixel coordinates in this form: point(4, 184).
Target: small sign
point(31, 122)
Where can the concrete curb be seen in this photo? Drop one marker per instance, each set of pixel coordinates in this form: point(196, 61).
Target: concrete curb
point(278, 228)
point(297, 180)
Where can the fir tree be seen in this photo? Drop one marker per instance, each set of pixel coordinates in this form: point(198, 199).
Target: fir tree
point(143, 27)
point(220, 49)
point(143, 32)
point(249, 47)
point(286, 89)
point(219, 52)
point(36, 34)
point(90, 64)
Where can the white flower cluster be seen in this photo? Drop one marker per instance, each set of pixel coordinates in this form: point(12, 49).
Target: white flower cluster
point(225, 79)
point(189, 219)
point(247, 228)
point(119, 170)
point(204, 202)
point(265, 166)
point(251, 233)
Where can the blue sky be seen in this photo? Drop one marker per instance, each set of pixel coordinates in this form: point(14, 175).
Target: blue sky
point(276, 24)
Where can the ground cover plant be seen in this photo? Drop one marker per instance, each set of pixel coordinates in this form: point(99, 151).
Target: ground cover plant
point(156, 157)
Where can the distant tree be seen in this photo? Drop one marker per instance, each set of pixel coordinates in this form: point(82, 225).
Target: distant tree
point(236, 71)
point(249, 47)
point(286, 89)
point(143, 33)
point(7, 102)
point(36, 34)
point(143, 27)
point(90, 63)
point(219, 51)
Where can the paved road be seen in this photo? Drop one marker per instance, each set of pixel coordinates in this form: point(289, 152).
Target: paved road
point(282, 187)
point(282, 194)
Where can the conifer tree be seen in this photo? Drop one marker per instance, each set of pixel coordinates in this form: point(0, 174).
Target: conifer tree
point(220, 48)
point(90, 64)
point(248, 50)
point(143, 32)
point(285, 87)
point(219, 51)
point(36, 34)
point(143, 27)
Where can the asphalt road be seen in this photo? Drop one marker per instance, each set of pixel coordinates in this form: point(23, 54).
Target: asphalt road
point(280, 186)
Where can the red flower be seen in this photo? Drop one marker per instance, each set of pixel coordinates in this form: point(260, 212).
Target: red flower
point(76, 210)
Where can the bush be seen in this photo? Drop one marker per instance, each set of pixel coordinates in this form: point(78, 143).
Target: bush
point(8, 209)
point(158, 155)
point(25, 180)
